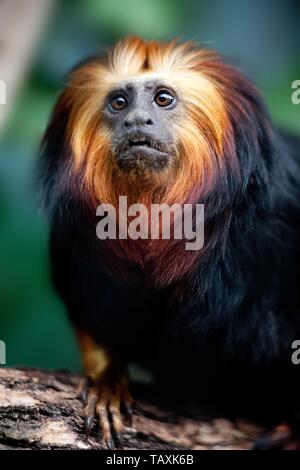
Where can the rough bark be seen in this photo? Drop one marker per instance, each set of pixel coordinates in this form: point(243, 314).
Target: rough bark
point(41, 410)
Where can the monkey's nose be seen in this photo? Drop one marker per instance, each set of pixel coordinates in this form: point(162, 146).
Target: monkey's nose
point(138, 119)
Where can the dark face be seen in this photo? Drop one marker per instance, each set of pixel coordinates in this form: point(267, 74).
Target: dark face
point(141, 116)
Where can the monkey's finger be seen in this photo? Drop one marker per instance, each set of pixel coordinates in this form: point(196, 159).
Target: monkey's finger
point(116, 419)
point(89, 410)
point(102, 412)
point(81, 389)
point(105, 426)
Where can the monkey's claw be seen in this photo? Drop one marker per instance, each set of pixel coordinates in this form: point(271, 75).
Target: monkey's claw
point(108, 401)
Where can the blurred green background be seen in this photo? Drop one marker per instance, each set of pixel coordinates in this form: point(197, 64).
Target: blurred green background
point(260, 36)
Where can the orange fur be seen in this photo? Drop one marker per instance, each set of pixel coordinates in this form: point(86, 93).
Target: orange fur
point(200, 134)
point(205, 139)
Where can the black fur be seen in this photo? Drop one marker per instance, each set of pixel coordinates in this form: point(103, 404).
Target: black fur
point(222, 334)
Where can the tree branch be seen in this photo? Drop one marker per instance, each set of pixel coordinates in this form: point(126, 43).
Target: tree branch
point(41, 410)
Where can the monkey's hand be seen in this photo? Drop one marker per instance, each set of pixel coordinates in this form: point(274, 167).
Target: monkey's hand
point(106, 392)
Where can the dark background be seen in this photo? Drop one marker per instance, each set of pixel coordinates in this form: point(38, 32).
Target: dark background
point(262, 37)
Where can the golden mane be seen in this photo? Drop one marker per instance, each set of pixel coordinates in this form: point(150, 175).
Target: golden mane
point(200, 135)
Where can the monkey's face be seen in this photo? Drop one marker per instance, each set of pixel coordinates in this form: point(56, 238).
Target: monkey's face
point(141, 116)
point(149, 120)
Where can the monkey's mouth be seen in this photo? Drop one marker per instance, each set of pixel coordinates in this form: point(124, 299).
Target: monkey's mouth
point(142, 152)
point(140, 142)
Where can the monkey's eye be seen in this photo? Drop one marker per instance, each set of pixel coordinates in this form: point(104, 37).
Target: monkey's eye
point(118, 102)
point(164, 98)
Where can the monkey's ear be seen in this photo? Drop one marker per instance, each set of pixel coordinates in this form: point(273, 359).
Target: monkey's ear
point(55, 152)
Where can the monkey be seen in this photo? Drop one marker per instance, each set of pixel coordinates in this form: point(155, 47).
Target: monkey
point(174, 123)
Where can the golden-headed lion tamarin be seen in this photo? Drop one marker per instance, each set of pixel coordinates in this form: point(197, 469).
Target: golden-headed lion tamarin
point(170, 123)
